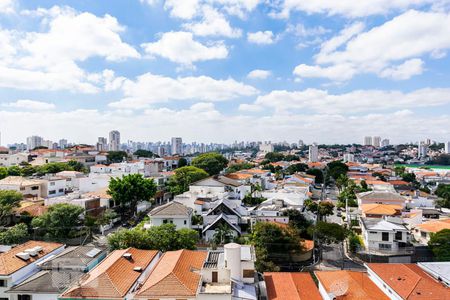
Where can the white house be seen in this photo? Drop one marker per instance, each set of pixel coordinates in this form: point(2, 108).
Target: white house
point(9, 160)
point(56, 186)
point(21, 262)
point(172, 213)
point(388, 234)
point(28, 187)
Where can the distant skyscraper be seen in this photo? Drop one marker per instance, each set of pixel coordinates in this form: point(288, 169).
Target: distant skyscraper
point(114, 140)
point(313, 153)
point(367, 141)
point(422, 149)
point(348, 157)
point(385, 143)
point(62, 143)
point(300, 143)
point(177, 146)
point(447, 148)
point(376, 141)
point(34, 141)
point(102, 144)
point(266, 147)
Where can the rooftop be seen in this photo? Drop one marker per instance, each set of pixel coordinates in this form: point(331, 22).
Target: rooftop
point(434, 226)
point(47, 282)
point(19, 180)
point(380, 196)
point(290, 286)
point(176, 275)
point(113, 277)
point(410, 281)
point(381, 209)
point(10, 262)
point(350, 285)
point(74, 258)
point(172, 208)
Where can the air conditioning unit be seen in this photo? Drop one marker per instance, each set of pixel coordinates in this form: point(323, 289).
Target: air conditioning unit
point(23, 255)
point(31, 252)
point(137, 269)
point(38, 248)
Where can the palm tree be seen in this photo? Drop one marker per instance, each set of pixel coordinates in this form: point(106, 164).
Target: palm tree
point(222, 234)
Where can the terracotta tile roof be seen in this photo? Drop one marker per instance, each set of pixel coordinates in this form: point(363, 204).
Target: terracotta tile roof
point(10, 263)
point(315, 164)
point(113, 277)
point(291, 286)
point(239, 176)
point(434, 226)
point(399, 182)
point(353, 285)
point(256, 171)
point(381, 209)
point(174, 276)
point(410, 281)
point(381, 196)
point(34, 210)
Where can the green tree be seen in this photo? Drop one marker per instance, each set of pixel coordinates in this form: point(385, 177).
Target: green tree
point(8, 201)
point(298, 220)
point(440, 244)
point(77, 166)
point(14, 171)
point(28, 170)
point(237, 167)
point(144, 153)
point(3, 172)
point(52, 168)
point(116, 156)
point(182, 162)
point(329, 233)
point(342, 182)
point(336, 169)
point(61, 220)
point(322, 208)
point(443, 191)
point(274, 156)
point(409, 177)
point(213, 163)
point(399, 170)
point(187, 238)
point(222, 234)
point(14, 235)
point(316, 172)
point(129, 190)
point(183, 177)
point(292, 169)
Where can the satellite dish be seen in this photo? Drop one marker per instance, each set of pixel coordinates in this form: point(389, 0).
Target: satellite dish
point(339, 287)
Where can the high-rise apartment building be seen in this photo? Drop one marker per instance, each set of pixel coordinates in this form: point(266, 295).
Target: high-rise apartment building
point(62, 144)
point(102, 144)
point(34, 141)
point(177, 146)
point(376, 141)
point(447, 147)
point(422, 149)
point(313, 154)
point(367, 141)
point(114, 140)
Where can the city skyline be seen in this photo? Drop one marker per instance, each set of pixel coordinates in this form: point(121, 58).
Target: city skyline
point(225, 70)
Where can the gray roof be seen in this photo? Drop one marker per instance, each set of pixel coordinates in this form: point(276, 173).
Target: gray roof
point(173, 208)
point(225, 218)
point(382, 225)
point(217, 181)
point(74, 258)
point(380, 195)
point(47, 282)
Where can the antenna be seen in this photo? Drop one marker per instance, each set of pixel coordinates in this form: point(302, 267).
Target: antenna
point(339, 287)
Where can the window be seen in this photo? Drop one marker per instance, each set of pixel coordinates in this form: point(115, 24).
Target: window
point(423, 234)
point(185, 222)
point(3, 283)
point(52, 192)
point(24, 297)
point(249, 273)
point(52, 183)
point(384, 246)
point(34, 188)
point(385, 236)
point(399, 235)
point(61, 190)
point(373, 232)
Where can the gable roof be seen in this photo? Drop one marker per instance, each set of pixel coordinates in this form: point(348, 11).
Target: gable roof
point(174, 275)
point(10, 263)
point(47, 282)
point(217, 181)
point(225, 218)
point(410, 281)
point(227, 204)
point(172, 208)
point(381, 209)
point(381, 196)
point(382, 225)
point(434, 226)
point(354, 285)
point(113, 277)
point(290, 286)
point(79, 258)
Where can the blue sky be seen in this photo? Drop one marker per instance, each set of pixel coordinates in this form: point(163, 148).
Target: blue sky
point(225, 70)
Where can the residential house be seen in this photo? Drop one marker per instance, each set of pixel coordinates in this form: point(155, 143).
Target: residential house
point(221, 214)
point(58, 273)
point(406, 281)
point(173, 213)
point(381, 197)
point(348, 285)
point(90, 204)
point(56, 186)
point(376, 210)
point(175, 276)
point(21, 262)
point(15, 159)
point(422, 232)
point(118, 276)
point(386, 234)
point(29, 188)
point(290, 286)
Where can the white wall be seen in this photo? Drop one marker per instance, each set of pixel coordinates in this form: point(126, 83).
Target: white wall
point(179, 222)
